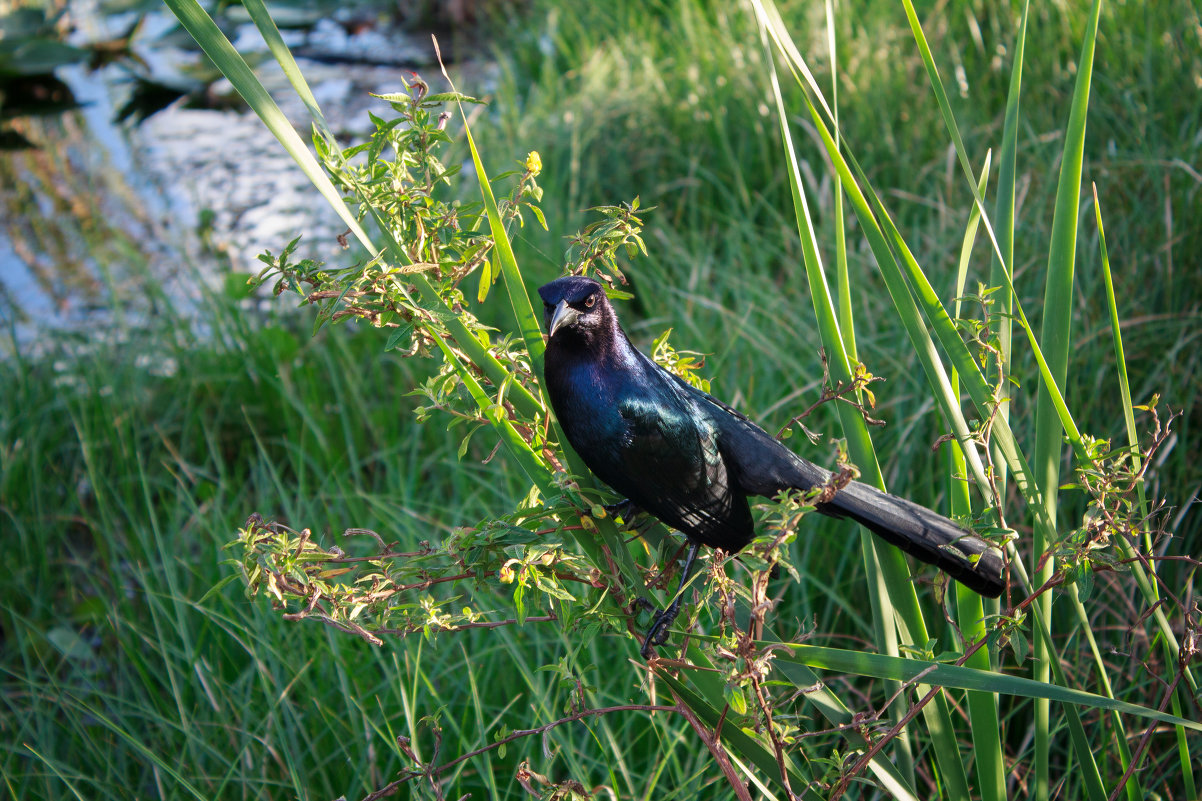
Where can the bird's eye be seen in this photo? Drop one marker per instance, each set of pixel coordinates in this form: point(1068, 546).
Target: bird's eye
point(590, 301)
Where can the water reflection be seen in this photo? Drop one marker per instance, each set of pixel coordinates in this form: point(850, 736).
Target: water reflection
point(105, 222)
point(73, 231)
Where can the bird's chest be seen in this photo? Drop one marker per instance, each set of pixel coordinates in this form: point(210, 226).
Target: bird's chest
point(625, 425)
point(588, 398)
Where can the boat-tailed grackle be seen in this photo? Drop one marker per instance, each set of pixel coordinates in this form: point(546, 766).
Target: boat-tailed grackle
point(692, 461)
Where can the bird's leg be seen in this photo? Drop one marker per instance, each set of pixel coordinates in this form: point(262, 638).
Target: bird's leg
point(658, 633)
point(624, 509)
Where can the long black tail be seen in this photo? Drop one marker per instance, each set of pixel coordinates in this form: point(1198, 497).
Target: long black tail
point(763, 466)
point(927, 536)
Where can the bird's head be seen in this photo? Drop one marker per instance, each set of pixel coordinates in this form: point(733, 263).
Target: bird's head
point(577, 305)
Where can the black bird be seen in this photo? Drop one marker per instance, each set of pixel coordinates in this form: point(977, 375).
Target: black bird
point(691, 460)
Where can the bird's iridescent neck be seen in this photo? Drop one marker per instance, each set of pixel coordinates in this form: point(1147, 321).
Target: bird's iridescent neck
point(602, 343)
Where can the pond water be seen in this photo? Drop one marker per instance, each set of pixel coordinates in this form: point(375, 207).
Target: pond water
point(106, 221)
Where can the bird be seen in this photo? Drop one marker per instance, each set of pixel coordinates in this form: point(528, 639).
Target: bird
point(692, 461)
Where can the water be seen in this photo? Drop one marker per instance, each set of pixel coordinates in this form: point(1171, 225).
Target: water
point(104, 221)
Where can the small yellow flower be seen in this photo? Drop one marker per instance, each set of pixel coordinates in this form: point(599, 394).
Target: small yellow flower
point(534, 163)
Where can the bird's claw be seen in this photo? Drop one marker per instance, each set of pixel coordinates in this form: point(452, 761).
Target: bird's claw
point(644, 604)
point(624, 509)
point(657, 634)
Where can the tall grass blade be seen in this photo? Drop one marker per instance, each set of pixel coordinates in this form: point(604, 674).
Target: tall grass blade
point(519, 299)
point(58, 772)
point(900, 593)
point(904, 303)
point(905, 307)
point(970, 608)
point(939, 674)
point(217, 47)
point(842, 280)
point(1054, 339)
point(882, 580)
point(1000, 272)
point(952, 343)
point(1082, 748)
point(949, 119)
point(1049, 382)
point(1003, 270)
point(1120, 359)
point(261, 17)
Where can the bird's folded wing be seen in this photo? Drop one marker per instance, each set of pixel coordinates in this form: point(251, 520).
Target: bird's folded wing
point(677, 471)
point(758, 463)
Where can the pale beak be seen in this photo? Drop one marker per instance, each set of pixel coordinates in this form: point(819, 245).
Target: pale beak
point(563, 315)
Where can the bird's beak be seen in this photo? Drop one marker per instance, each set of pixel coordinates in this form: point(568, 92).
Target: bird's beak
point(563, 315)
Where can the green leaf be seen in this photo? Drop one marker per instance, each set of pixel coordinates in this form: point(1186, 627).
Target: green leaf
point(398, 336)
point(489, 270)
point(393, 97)
point(448, 97)
point(519, 300)
point(538, 213)
point(216, 588)
point(1020, 646)
point(937, 674)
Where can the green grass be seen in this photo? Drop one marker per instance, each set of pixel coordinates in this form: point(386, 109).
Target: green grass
point(121, 479)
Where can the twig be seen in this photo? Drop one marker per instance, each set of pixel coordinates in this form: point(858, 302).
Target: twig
point(835, 394)
point(493, 624)
point(1145, 740)
point(715, 747)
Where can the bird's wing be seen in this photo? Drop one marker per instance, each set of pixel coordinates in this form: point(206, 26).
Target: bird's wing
point(758, 462)
point(668, 450)
point(694, 392)
point(675, 467)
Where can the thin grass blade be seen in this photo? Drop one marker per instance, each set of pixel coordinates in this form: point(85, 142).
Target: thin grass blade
point(1003, 215)
point(1054, 339)
point(982, 706)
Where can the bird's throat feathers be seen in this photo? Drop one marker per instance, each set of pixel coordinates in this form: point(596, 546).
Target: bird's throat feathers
point(589, 360)
point(595, 337)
